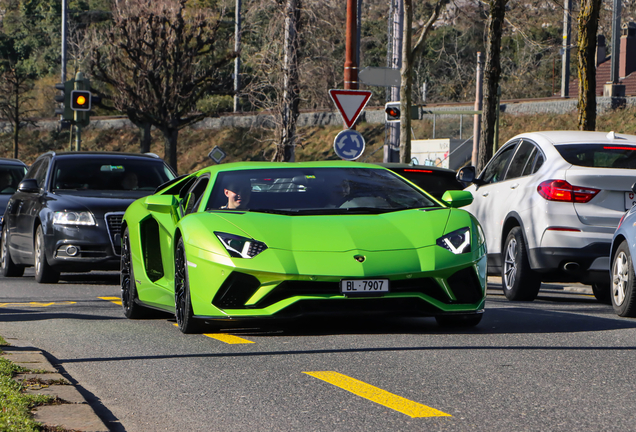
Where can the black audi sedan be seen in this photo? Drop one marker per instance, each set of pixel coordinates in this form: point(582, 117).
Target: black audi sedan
point(66, 214)
point(12, 172)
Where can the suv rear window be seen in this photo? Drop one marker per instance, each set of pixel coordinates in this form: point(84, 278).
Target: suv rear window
point(599, 155)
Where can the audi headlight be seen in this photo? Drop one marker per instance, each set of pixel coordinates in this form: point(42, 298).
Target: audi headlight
point(73, 218)
point(457, 242)
point(241, 247)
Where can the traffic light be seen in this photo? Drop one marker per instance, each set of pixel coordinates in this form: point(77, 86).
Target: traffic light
point(81, 100)
point(65, 99)
point(392, 111)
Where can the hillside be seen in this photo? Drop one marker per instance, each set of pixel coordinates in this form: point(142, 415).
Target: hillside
point(317, 142)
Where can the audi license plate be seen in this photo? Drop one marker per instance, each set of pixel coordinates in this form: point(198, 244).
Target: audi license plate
point(364, 286)
point(630, 200)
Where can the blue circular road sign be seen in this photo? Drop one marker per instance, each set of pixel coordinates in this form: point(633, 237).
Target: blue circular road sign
point(349, 144)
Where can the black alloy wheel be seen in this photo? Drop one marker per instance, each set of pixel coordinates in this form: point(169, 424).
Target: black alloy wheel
point(132, 310)
point(519, 281)
point(44, 273)
point(623, 293)
point(9, 268)
point(182, 303)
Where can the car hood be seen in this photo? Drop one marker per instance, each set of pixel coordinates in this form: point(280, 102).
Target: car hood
point(408, 229)
point(96, 204)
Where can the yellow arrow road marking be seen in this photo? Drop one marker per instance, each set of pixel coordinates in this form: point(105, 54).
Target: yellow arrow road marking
point(377, 395)
point(224, 337)
point(37, 304)
point(115, 300)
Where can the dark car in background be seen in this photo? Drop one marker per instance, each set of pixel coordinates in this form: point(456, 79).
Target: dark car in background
point(434, 180)
point(66, 214)
point(12, 172)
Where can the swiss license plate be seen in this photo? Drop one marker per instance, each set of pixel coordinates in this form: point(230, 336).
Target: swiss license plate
point(364, 286)
point(630, 200)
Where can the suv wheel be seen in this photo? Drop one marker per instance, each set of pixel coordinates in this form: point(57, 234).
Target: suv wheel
point(9, 268)
point(520, 282)
point(623, 279)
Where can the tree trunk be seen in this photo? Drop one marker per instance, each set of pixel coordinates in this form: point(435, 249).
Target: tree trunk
point(285, 148)
point(588, 26)
point(145, 137)
point(16, 119)
point(170, 138)
point(492, 73)
point(407, 84)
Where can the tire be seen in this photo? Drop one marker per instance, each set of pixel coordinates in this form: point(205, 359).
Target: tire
point(603, 292)
point(9, 268)
point(623, 293)
point(132, 310)
point(519, 281)
point(182, 303)
point(44, 273)
point(468, 320)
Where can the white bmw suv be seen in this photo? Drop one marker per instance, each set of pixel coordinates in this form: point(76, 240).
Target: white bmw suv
point(549, 203)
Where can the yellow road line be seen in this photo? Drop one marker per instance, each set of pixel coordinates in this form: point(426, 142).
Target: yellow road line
point(377, 395)
point(37, 304)
point(224, 337)
point(227, 338)
point(115, 300)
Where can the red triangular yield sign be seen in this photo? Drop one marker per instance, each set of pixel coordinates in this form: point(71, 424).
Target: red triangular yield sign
point(350, 103)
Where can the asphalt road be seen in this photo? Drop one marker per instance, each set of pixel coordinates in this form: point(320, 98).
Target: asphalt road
point(562, 362)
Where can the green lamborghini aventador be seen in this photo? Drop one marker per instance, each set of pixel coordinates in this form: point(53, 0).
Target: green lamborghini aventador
point(263, 239)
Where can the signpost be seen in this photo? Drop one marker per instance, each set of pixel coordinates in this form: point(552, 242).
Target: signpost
point(380, 76)
point(350, 103)
point(349, 144)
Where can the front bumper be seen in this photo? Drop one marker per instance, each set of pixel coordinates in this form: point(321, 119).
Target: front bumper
point(417, 287)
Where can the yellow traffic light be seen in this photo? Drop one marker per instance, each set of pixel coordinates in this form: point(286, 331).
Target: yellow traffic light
point(81, 100)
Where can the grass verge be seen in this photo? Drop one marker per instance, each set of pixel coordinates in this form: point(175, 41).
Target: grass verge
point(15, 406)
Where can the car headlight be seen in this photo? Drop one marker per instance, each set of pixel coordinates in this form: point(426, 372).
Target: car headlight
point(457, 242)
point(241, 247)
point(73, 218)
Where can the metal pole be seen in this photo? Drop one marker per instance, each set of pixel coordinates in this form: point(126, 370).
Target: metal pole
point(350, 66)
point(565, 56)
point(64, 37)
point(396, 63)
point(616, 41)
point(477, 117)
point(358, 31)
point(237, 60)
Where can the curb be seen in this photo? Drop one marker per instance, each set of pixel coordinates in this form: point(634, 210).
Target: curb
point(74, 413)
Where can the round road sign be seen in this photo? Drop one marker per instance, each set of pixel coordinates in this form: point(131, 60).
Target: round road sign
point(349, 144)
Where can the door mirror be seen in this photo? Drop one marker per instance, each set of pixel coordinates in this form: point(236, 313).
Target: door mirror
point(466, 174)
point(29, 186)
point(161, 203)
point(456, 198)
point(634, 188)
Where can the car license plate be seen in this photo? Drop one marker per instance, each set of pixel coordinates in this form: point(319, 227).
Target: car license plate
point(364, 286)
point(630, 200)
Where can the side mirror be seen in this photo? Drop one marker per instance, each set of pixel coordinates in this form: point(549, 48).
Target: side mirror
point(634, 188)
point(466, 174)
point(457, 198)
point(29, 186)
point(161, 203)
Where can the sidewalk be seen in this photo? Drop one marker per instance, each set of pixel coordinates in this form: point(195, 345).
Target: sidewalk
point(73, 413)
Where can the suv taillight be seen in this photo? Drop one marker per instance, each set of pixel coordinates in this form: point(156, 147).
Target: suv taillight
point(560, 190)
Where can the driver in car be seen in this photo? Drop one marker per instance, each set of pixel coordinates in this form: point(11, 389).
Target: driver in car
point(238, 192)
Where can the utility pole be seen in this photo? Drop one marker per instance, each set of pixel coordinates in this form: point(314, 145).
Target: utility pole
point(237, 60)
point(351, 66)
point(64, 37)
point(391, 152)
point(616, 41)
point(565, 55)
point(477, 117)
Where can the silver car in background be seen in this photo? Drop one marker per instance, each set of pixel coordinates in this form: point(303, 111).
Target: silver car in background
point(549, 203)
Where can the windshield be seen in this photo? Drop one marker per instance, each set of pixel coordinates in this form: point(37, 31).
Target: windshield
point(599, 155)
point(109, 174)
point(315, 191)
point(10, 178)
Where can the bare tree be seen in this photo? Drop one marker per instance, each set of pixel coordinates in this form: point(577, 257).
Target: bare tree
point(587, 26)
point(160, 61)
point(492, 73)
point(408, 60)
point(15, 102)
